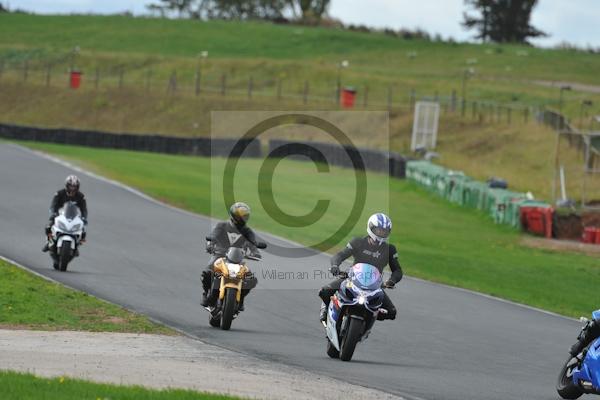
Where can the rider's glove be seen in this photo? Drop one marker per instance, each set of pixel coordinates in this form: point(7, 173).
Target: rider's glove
point(84, 221)
point(335, 270)
point(389, 284)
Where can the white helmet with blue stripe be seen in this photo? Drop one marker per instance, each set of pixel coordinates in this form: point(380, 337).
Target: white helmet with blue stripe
point(379, 227)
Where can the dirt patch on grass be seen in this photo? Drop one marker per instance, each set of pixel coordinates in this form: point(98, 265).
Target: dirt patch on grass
point(562, 245)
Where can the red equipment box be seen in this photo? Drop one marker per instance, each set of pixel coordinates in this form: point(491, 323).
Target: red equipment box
point(537, 220)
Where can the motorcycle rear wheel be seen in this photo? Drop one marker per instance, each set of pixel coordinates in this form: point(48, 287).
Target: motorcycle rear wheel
point(564, 385)
point(331, 350)
point(214, 321)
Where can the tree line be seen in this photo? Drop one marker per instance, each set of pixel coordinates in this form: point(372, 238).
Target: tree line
point(499, 21)
point(300, 10)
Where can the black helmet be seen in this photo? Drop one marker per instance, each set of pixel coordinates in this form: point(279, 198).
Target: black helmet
point(72, 185)
point(239, 213)
point(235, 255)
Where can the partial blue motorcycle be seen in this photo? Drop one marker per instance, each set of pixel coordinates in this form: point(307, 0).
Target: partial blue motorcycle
point(353, 310)
point(581, 373)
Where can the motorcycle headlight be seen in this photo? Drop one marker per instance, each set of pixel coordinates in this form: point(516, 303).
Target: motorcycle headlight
point(361, 299)
point(234, 270)
point(62, 226)
point(76, 227)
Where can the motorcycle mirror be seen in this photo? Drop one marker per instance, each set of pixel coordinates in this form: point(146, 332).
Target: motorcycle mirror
point(209, 238)
point(261, 245)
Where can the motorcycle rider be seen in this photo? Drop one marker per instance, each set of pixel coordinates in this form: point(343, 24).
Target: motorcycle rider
point(226, 234)
point(589, 333)
point(71, 192)
point(372, 249)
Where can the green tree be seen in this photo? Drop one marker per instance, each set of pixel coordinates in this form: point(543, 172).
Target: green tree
point(502, 20)
point(183, 8)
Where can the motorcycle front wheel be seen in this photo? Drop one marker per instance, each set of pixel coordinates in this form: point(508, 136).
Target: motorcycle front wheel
point(356, 327)
point(229, 303)
point(564, 385)
point(64, 257)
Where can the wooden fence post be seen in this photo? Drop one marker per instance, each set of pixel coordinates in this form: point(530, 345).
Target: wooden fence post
point(453, 100)
point(305, 94)
point(197, 81)
point(172, 86)
point(25, 70)
point(279, 83)
point(121, 73)
point(149, 79)
point(97, 79)
point(48, 71)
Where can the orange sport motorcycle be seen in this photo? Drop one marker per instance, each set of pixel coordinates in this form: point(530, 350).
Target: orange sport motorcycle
point(231, 275)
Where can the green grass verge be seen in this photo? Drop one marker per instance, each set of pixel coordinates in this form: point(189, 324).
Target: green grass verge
point(437, 241)
point(30, 302)
point(17, 386)
point(293, 54)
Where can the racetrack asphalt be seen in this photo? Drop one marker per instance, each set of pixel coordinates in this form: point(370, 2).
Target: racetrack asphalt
point(446, 343)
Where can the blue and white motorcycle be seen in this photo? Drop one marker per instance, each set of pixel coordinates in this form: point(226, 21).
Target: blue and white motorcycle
point(581, 374)
point(67, 234)
point(353, 310)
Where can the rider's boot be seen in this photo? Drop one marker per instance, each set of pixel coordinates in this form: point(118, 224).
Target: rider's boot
point(205, 299)
point(244, 293)
point(323, 313)
point(46, 248)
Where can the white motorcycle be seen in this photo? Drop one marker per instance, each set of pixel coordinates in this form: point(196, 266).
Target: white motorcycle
point(67, 234)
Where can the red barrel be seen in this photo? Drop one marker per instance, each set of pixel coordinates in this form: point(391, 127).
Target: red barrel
point(75, 80)
point(348, 97)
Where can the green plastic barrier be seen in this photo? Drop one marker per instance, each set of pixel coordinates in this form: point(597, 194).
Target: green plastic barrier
point(502, 205)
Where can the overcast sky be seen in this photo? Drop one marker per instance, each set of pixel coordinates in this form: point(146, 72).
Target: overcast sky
point(575, 21)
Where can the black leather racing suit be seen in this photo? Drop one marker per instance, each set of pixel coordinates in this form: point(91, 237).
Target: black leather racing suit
point(59, 200)
point(588, 334)
point(225, 235)
point(367, 251)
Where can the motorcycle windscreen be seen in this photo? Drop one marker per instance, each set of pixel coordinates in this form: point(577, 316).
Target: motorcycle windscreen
point(596, 315)
point(71, 211)
point(365, 276)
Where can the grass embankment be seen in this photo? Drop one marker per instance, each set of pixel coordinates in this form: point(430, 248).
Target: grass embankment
point(291, 54)
point(17, 386)
point(269, 52)
point(437, 241)
point(30, 302)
